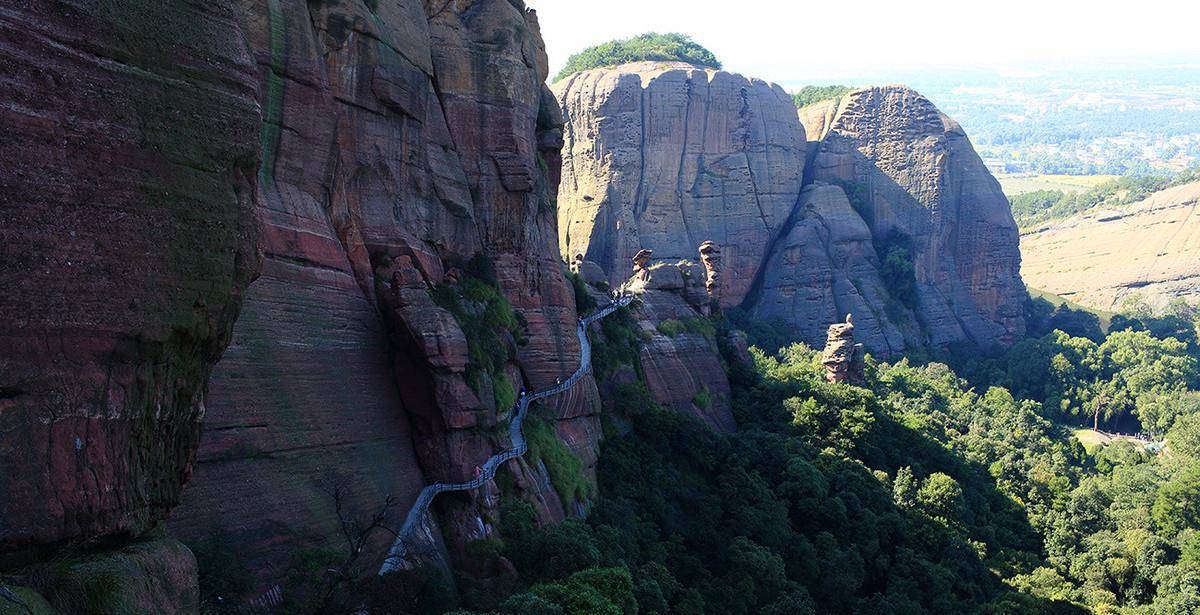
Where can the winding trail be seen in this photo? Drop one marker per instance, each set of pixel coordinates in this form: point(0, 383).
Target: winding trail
point(516, 434)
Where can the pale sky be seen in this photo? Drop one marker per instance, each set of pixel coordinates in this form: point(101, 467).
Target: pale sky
point(793, 41)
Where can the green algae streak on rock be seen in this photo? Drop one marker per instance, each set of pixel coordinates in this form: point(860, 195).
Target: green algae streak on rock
point(126, 241)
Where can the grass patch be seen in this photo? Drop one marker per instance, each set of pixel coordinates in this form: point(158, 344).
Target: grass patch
point(1020, 183)
point(489, 322)
point(812, 94)
point(671, 327)
point(1091, 440)
point(566, 471)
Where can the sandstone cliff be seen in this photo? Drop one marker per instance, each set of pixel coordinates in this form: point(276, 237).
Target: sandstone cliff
point(825, 267)
point(406, 148)
point(126, 241)
point(1099, 257)
point(667, 156)
point(678, 358)
point(912, 174)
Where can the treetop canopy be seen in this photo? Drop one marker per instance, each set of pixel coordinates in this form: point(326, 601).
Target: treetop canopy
point(670, 47)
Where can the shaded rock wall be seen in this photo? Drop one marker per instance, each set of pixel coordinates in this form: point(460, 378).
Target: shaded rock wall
point(126, 242)
point(666, 156)
point(825, 267)
point(398, 145)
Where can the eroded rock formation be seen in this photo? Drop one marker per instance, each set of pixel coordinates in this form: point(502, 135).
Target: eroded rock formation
point(843, 358)
point(1100, 257)
point(665, 155)
point(668, 155)
point(710, 255)
point(126, 242)
point(678, 357)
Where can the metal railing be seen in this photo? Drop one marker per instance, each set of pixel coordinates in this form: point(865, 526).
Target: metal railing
point(399, 550)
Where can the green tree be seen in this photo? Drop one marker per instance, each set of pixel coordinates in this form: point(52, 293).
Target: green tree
point(1177, 505)
point(653, 46)
point(941, 496)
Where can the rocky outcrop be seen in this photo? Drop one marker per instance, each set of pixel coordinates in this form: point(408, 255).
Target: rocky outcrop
point(126, 242)
point(407, 147)
point(844, 360)
point(827, 266)
point(710, 255)
point(667, 155)
point(1100, 257)
point(912, 175)
point(679, 359)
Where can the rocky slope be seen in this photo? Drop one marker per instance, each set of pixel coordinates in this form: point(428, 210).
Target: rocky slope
point(666, 156)
point(1099, 257)
point(401, 141)
point(126, 243)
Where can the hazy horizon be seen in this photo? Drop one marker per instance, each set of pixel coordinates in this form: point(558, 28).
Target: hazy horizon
point(779, 41)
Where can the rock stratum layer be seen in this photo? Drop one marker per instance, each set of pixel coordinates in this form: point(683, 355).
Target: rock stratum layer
point(126, 242)
point(1100, 257)
point(401, 140)
point(667, 156)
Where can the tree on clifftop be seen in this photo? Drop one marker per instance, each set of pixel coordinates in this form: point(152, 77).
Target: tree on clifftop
point(652, 46)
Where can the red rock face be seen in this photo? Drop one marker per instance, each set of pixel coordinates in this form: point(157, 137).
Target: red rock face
point(397, 146)
point(126, 199)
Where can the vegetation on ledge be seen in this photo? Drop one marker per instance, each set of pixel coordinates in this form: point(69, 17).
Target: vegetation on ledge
point(812, 94)
point(1039, 206)
point(671, 47)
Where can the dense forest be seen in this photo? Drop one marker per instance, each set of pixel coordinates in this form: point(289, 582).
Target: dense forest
point(931, 488)
point(669, 47)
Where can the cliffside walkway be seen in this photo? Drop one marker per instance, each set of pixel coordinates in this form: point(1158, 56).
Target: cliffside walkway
point(516, 434)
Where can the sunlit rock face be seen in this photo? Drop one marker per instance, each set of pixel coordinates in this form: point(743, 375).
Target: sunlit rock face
point(1099, 258)
point(667, 156)
point(911, 172)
